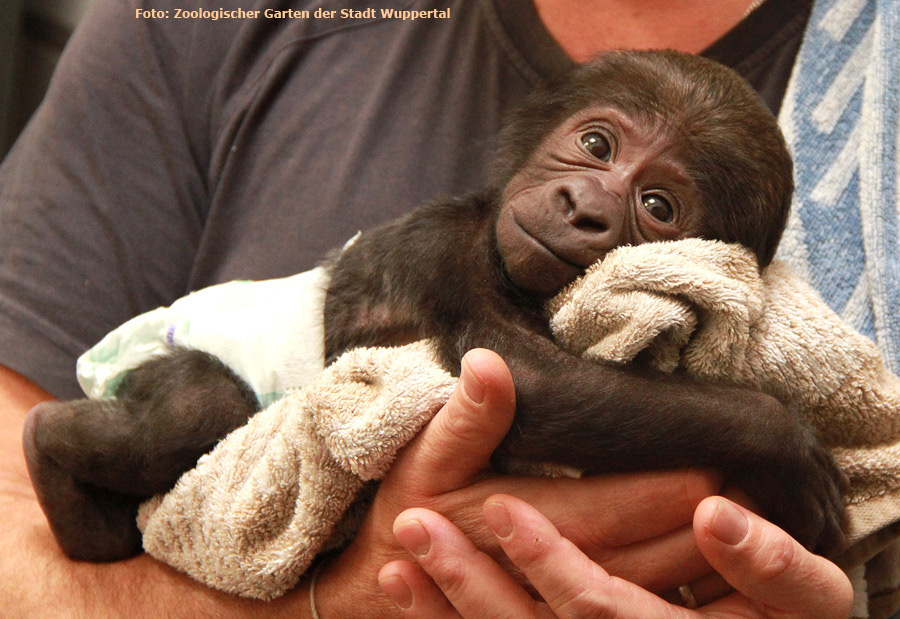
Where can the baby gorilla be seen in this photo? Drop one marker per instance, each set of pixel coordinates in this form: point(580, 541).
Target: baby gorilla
point(631, 148)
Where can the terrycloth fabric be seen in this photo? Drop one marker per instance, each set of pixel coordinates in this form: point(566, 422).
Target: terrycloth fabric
point(252, 515)
point(269, 332)
point(255, 511)
point(701, 306)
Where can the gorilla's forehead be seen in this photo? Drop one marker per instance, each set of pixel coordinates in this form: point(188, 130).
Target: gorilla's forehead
point(640, 140)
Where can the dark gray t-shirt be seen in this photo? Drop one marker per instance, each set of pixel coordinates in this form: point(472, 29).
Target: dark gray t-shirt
point(174, 153)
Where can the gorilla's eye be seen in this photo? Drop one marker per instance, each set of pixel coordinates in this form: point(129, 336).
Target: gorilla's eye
point(597, 145)
point(659, 207)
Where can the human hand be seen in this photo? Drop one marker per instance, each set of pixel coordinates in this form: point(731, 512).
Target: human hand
point(773, 574)
point(638, 526)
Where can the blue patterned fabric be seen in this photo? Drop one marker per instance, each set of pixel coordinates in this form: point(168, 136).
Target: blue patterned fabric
point(840, 117)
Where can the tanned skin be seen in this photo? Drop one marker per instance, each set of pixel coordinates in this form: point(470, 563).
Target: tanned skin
point(631, 148)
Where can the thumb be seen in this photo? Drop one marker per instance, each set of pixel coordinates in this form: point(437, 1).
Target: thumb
point(458, 442)
point(767, 565)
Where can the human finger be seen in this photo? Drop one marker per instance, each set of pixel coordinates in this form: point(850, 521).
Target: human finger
point(767, 566)
point(634, 525)
point(459, 441)
point(710, 586)
point(414, 592)
point(471, 581)
point(569, 582)
point(654, 502)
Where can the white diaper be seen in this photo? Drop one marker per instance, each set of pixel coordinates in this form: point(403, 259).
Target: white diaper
point(268, 332)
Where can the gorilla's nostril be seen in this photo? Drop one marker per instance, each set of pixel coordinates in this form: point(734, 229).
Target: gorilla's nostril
point(569, 203)
point(586, 224)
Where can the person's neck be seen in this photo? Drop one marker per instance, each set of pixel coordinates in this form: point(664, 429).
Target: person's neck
point(585, 27)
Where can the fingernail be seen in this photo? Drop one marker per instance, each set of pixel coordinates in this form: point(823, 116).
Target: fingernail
point(498, 519)
point(398, 591)
point(729, 524)
point(413, 536)
point(475, 389)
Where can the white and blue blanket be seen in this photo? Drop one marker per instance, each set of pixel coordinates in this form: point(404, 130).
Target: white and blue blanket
point(840, 117)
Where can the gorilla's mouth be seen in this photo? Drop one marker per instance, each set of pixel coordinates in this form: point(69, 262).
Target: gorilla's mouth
point(553, 261)
point(547, 248)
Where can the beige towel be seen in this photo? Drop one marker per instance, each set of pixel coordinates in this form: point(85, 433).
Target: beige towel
point(700, 305)
point(253, 513)
point(256, 510)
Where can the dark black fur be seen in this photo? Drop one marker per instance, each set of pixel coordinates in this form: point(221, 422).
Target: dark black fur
point(92, 462)
point(437, 273)
point(569, 410)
